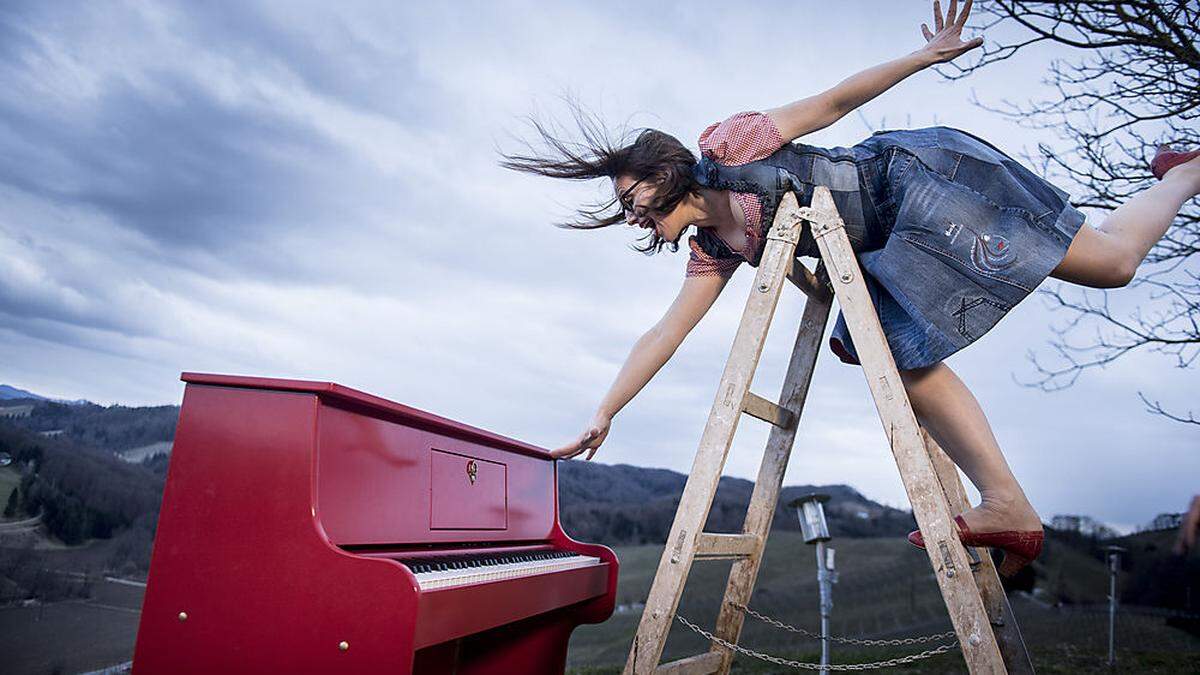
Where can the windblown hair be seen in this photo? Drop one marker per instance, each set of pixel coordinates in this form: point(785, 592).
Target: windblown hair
point(654, 157)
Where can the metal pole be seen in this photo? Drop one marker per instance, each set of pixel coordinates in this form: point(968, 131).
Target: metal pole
point(826, 604)
point(1114, 566)
point(1112, 608)
point(816, 531)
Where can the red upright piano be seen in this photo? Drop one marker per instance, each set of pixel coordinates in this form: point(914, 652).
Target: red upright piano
point(310, 528)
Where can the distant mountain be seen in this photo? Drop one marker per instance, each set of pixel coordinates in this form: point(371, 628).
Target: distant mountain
point(80, 491)
point(7, 392)
point(115, 428)
point(625, 504)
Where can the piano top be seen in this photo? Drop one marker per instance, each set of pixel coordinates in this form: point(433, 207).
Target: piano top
point(336, 393)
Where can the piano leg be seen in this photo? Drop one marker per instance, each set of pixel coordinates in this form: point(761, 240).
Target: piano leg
point(437, 659)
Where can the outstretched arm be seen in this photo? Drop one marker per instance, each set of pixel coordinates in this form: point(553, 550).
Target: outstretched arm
point(646, 358)
point(819, 111)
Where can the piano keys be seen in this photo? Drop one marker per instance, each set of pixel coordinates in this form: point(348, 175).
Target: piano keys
point(445, 571)
point(308, 527)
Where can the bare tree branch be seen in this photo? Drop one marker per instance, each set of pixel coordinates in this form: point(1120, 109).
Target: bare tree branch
point(1130, 83)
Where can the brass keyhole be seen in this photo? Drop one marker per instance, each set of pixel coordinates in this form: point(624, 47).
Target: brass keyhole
point(472, 470)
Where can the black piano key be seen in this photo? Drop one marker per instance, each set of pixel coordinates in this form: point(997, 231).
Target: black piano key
point(473, 561)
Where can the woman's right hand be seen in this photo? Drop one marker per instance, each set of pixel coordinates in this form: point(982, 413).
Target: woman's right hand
point(945, 43)
point(589, 441)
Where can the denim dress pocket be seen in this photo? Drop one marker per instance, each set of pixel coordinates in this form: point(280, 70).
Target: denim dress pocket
point(995, 245)
point(964, 233)
point(955, 260)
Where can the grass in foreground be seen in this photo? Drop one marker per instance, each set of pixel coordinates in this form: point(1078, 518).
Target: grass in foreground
point(885, 590)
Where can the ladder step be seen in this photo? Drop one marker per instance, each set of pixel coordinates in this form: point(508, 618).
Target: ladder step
point(803, 278)
point(726, 546)
point(757, 406)
point(709, 662)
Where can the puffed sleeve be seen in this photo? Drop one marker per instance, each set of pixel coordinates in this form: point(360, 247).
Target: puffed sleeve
point(701, 264)
point(743, 138)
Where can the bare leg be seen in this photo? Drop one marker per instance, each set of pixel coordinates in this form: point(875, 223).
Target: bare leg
point(1108, 256)
point(952, 416)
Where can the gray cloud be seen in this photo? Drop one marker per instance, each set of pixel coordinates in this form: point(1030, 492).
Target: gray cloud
point(312, 191)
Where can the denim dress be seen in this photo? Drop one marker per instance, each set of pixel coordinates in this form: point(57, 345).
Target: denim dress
point(950, 232)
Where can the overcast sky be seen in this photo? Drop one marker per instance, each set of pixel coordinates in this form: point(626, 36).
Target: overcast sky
point(311, 190)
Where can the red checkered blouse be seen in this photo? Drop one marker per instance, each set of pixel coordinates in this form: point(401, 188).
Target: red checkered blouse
point(743, 138)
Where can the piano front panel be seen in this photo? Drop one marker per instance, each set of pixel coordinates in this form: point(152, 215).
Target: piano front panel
point(467, 493)
point(383, 482)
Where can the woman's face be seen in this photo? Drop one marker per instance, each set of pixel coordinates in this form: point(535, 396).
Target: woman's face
point(636, 196)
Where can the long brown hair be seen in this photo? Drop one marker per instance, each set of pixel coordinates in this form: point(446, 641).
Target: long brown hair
point(652, 156)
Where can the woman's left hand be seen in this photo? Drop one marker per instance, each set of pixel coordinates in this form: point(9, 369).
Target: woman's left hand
point(946, 43)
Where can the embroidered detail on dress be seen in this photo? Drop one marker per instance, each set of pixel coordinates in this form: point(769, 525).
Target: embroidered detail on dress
point(961, 313)
point(992, 252)
point(964, 263)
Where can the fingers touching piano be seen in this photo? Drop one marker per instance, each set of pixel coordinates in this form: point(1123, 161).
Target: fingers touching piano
point(310, 528)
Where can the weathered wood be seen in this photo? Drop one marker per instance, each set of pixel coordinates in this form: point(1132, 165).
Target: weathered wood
point(700, 664)
point(701, 486)
point(950, 565)
point(802, 278)
point(765, 496)
point(995, 600)
point(771, 413)
point(711, 546)
point(931, 481)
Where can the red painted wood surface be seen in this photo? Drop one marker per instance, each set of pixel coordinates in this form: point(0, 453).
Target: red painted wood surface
point(376, 466)
point(264, 473)
point(466, 492)
point(370, 404)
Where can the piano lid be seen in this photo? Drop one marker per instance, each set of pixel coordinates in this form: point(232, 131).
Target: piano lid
point(333, 392)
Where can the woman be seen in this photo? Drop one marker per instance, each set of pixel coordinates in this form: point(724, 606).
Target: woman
point(951, 234)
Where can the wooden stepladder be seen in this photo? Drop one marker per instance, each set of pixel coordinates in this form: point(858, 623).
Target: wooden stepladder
point(986, 629)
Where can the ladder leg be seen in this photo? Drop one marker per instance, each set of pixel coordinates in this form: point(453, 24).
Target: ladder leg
point(698, 493)
point(770, 474)
point(948, 557)
point(1004, 623)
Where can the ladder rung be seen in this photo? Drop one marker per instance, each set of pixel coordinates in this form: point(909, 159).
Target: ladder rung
point(757, 406)
point(803, 278)
point(709, 662)
point(726, 546)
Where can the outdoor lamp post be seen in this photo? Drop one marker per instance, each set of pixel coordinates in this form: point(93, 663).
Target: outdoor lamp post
point(816, 531)
point(1114, 566)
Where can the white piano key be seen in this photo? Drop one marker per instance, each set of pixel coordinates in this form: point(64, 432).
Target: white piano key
point(485, 573)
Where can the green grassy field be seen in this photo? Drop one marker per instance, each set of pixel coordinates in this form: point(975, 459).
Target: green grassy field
point(73, 636)
point(885, 590)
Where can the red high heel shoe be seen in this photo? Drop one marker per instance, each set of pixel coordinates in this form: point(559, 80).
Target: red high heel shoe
point(1020, 548)
point(1166, 159)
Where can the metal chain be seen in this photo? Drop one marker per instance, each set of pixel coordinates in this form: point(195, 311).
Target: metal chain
point(898, 661)
point(844, 640)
